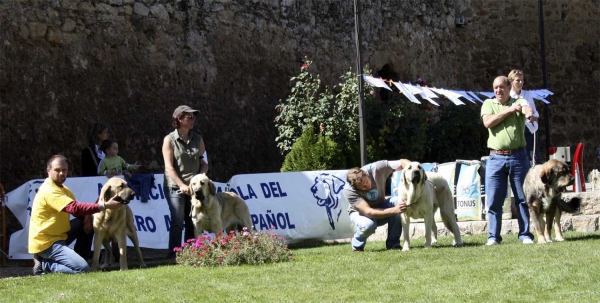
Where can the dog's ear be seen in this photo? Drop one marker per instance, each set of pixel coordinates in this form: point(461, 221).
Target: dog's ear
point(424, 175)
point(546, 173)
point(211, 188)
point(106, 192)
point(402, 177)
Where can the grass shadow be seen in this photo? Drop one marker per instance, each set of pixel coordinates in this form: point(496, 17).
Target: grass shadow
point(583, 237)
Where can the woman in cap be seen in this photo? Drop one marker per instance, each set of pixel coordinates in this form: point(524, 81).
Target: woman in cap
point(182, 151)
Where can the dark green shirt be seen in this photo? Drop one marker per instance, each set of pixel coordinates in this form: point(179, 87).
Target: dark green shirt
point(186, 158)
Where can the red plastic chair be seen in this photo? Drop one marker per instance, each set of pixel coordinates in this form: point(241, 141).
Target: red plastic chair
point(578, 161)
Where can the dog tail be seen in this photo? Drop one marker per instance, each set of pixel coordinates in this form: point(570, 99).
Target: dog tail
point(571, 206)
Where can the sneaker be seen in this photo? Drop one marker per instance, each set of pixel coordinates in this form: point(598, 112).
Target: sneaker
point(491, 242)
point(527, 241)
point(354, 249)
point(37, 266)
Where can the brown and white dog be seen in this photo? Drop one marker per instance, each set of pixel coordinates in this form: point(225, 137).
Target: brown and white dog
point(115, 225)
point(212, 211)
point(543, 188)
point(424, 193)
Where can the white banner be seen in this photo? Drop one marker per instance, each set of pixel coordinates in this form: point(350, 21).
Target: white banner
point(298, 205)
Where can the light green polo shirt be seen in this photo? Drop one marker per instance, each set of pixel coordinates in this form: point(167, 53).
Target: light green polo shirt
point(509, 133)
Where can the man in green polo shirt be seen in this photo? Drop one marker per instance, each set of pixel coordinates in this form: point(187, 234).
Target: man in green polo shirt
point(504, 117)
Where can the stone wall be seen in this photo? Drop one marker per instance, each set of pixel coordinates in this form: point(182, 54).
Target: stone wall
point(129, 63)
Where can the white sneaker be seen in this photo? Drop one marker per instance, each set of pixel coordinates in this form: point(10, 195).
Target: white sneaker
point(491, 242)
point(527, 241)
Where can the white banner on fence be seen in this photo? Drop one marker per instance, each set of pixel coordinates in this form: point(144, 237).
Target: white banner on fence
point(298, 205)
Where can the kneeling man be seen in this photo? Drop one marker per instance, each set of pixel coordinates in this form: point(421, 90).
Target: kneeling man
point(50, 231)
point(369, 207)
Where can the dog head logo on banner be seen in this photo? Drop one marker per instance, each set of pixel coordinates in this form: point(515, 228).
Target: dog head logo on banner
point(327, 190)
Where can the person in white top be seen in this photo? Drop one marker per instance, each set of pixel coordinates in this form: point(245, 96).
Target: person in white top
point(516, 78)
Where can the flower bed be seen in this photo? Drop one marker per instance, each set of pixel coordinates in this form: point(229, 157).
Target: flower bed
point(235, 248)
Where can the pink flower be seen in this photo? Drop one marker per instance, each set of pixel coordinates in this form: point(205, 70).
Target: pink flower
point(223, 242)
point(305, 66)
point(372, 92)
point(245, 234)
point(245, 228)
point(219, 233)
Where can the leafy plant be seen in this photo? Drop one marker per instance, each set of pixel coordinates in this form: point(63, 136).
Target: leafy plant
point(235, 248)
point(304, 107)
point(312, 105)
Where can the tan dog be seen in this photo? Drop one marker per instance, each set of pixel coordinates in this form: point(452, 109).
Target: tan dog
point(424, 193)
point(543, 188)
point(115, 225)
point(212, 211)
point(594, 179)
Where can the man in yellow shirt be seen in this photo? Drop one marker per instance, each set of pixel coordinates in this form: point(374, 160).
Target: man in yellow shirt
point(49, 225)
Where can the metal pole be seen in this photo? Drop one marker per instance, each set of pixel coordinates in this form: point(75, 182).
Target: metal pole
point(544, 74)
point(361, 105)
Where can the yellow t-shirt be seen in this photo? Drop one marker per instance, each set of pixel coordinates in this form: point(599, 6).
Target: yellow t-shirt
point(48, 223)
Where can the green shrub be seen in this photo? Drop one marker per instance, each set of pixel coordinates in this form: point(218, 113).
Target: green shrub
point(236, 248)
point(314, 151)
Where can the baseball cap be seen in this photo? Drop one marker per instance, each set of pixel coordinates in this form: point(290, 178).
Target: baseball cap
point(184, 109)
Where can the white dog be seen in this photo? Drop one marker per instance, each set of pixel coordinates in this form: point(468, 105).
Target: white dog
point(594, 179)
point(424, 193)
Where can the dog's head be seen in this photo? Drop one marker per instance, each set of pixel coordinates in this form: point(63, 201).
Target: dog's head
point(326, 189)
point(115, 186)
point(556, 174)
point(413, 173)
point(202, 190)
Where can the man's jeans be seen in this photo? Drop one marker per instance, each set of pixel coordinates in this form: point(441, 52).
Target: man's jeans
point(498, 170)
point(179, 208)
point(366, 226)
point(60, 258)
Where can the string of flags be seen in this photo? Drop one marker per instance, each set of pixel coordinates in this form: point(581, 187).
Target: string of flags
point(430, 93)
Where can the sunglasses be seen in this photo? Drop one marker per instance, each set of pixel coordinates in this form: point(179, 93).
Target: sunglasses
point(190, 117)
point(516, 71)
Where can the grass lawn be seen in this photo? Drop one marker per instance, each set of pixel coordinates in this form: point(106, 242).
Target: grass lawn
point(511, 272)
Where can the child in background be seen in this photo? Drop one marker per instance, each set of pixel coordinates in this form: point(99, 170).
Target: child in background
point(112, 164)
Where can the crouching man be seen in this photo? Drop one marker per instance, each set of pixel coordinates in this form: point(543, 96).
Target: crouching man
point(369, 207)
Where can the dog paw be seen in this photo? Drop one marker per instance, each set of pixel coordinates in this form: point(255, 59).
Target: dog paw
point(561, 239)
point(457, 244)
point(541, 241)
point(405, 248)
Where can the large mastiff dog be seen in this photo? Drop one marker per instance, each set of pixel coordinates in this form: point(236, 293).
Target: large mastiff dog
point(543, 188)
point(212, 211)
point(115, 225)
point(424, 193)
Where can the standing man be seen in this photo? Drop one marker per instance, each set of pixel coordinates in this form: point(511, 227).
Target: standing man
point(369, 207)
point(50, 231)
point(504, 117)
